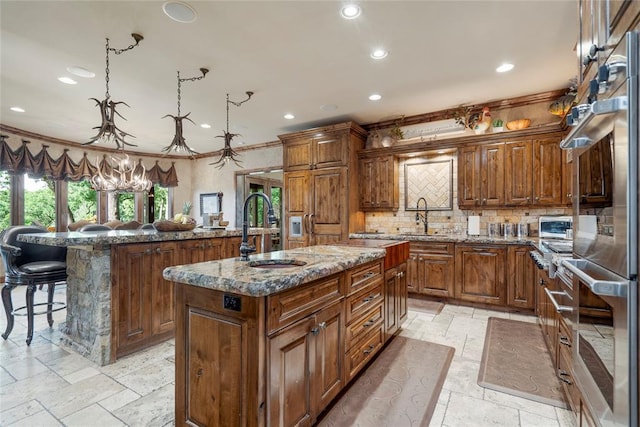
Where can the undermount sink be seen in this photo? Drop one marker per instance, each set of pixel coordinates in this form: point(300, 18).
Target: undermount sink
point(276, 263)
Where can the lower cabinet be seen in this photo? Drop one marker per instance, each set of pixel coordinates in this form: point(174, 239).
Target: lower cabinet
point(547, 315)
point(430, 269)
point(395, 299)
point(480, 274)
point(520, 277)
point(142, 300)
point(200, 250)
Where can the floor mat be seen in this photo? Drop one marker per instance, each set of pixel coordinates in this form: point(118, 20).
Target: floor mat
point(399, 388)
point(515, 360)
point(425, 306)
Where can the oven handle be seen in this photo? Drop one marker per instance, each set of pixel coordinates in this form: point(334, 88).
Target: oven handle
point(607, 284)
point(559, 308)
point(598, 108)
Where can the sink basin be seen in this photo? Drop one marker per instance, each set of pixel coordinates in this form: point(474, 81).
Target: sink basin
point(276, 263)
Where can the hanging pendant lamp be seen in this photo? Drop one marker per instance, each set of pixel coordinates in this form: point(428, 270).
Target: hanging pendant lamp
point(227, 154)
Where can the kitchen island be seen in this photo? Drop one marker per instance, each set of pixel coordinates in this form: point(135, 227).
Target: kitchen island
point(117, 301)
point(272, 341)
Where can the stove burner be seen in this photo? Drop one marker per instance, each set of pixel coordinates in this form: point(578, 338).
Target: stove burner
point(561, 247)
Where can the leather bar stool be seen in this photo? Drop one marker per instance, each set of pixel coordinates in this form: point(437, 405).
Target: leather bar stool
point(30, 265)
point(94, 227)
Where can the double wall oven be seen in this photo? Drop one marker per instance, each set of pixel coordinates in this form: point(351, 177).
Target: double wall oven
point(604, 267)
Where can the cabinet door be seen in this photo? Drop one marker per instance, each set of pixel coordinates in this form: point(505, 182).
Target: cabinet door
point(330, 150)
point(517, 174)
point(328, 213)
point(390, 303)
point(480, 274)
point(413, 275)
point(520, 277)
point(436, 274)
point(289, 381)
point(297, 204)
point(214, 249)
point(468, 177)
point(402, 294)
point(385, 182)
point(588, 29)
point(621, 14)
point(297, 155)
point(328, 370)
point(567, 177)
point(367, 185)
point(162, 295)
point(231, 247)
point(191, 251)
point(492, 175)
point(547, 172)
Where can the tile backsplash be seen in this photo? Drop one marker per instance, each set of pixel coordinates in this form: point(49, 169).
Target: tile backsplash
point(448, 221)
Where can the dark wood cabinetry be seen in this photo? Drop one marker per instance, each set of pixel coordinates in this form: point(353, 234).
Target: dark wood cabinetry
point(430, 269)
point(320, 185)
point(518, 175)
point(547, 172)
point(379, 186)
point(395, 299)
point(480, 274)
point(596, 180)
point(547, 315)
point(200, 250)
point(520, 278)
point(142, 300)
point(492, 175)
point(468, 177)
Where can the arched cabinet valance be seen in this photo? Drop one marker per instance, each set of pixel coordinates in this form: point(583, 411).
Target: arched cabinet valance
point(41, 164)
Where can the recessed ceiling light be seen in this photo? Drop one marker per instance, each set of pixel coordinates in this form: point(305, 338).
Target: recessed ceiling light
point(289, 116)
point(379, 54)
point(17, 109)
point(179, 11)
point(375, 97)
point(81, 72)
point(329, 107)
point(350, 11)
point(205, 126)
point(67, 80)
point(504, 68)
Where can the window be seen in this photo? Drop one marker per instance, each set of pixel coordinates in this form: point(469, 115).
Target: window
point(161, 202)
point(125, 207)
point(81, 201)
point(39, 202)
point(5, 200)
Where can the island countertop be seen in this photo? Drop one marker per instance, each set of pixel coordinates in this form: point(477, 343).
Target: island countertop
point(116, 237)
point(447, 238)
point(238, 277)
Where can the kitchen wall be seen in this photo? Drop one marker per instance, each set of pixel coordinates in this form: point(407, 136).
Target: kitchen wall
point(449, 221)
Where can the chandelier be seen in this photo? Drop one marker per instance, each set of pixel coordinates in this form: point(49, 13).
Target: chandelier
point(227, 154)
point(120, 175)
point(108, 132)
point(179, 143)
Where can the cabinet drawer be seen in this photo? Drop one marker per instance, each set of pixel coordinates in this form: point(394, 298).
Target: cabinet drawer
point(358, 356)
point(363, 300)
point(362, 325)
point(565, 374)
point(286, 307)
point(363, 276)
point(432, 247)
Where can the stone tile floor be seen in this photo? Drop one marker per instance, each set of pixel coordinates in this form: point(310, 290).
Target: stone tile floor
point(47, 384)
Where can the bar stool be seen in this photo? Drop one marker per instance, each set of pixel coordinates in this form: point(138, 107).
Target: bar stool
point(30, 265)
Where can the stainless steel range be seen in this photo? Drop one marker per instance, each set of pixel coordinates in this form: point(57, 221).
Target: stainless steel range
point(604, 269)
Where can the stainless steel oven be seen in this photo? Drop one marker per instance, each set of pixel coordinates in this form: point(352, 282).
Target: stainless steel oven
point(604, 267)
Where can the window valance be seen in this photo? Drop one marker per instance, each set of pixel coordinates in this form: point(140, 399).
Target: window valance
point(42, 165)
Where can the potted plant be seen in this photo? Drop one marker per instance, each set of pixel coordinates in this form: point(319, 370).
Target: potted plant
point(498, 125)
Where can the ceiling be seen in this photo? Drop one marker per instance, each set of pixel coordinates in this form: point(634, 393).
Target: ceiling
point(297, 56)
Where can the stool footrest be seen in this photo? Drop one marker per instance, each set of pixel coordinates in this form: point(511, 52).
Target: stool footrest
point(16, 311)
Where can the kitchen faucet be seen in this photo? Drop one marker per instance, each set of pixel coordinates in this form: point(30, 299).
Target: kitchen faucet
point(245, 249)
point(422, 216)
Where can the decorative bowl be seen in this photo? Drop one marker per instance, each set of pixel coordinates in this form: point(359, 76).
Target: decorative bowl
point(165, 225)
point(518, 124)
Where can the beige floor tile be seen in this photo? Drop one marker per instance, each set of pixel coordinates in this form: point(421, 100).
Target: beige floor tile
point(25, 368)
point(528, 419)
point(42, 418)
point(457, 310)
point(438, 415)
point(20, 412)
point(119, 400)
point(55, 353)
point(82, 374)
point(97, 415)
point(468, 325)
point(464, 410)
point(480, 313)
point(19, 392)
point(70, 364)
point(154, 409)
point(78, 396)
point(566, 418)
point(5, 377)
point(462, 378)
point(473, 348)
point(149, 378)
point(520, 403)
point(129, 364)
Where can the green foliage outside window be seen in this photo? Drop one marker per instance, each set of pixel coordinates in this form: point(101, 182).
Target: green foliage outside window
point(5, 200)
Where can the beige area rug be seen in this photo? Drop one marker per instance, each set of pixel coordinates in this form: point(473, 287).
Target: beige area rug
point(515, 360)
point(399, 388)
point(425, 306)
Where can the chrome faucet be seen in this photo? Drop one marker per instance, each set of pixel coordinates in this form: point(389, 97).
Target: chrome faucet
point(245, 248)
point(422, 216)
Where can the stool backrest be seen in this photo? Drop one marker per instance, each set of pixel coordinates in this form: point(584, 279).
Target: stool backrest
point(31, 252)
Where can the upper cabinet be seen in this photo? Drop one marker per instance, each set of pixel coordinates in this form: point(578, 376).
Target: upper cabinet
point(318, 150)
point(516, 173)
point(379, 183)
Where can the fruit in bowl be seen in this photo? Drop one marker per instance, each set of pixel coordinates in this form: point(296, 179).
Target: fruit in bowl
point(518, 124)
point(183, 219)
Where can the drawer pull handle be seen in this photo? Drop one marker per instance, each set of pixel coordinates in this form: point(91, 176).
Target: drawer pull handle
point(369, 323)
point(369, 349)
point(562, 374)
point(370, 298)
point(322, 325)
point(315, 330)
point(368, 275)
point(565, 341)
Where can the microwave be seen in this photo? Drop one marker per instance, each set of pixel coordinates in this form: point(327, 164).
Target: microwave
point(555, 227)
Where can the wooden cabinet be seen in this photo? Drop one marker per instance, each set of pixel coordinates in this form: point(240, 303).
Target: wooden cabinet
point(567, 177)
point(547, 315)
point(547, 172)
point(379, 188)
point(520, 278)
point(492, 175)
point(468, 177)
point(518, 175)
point(480, 274)
point(430, 269)
point(323, 192)
point(395, 299)
point(200, 250)
point(142, 300)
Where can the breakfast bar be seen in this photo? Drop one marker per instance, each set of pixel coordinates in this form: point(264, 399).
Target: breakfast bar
point(117, 301)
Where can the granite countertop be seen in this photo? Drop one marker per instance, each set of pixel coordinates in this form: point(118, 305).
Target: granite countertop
point(235, 276)
point(447, 238)
point(115, 237)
